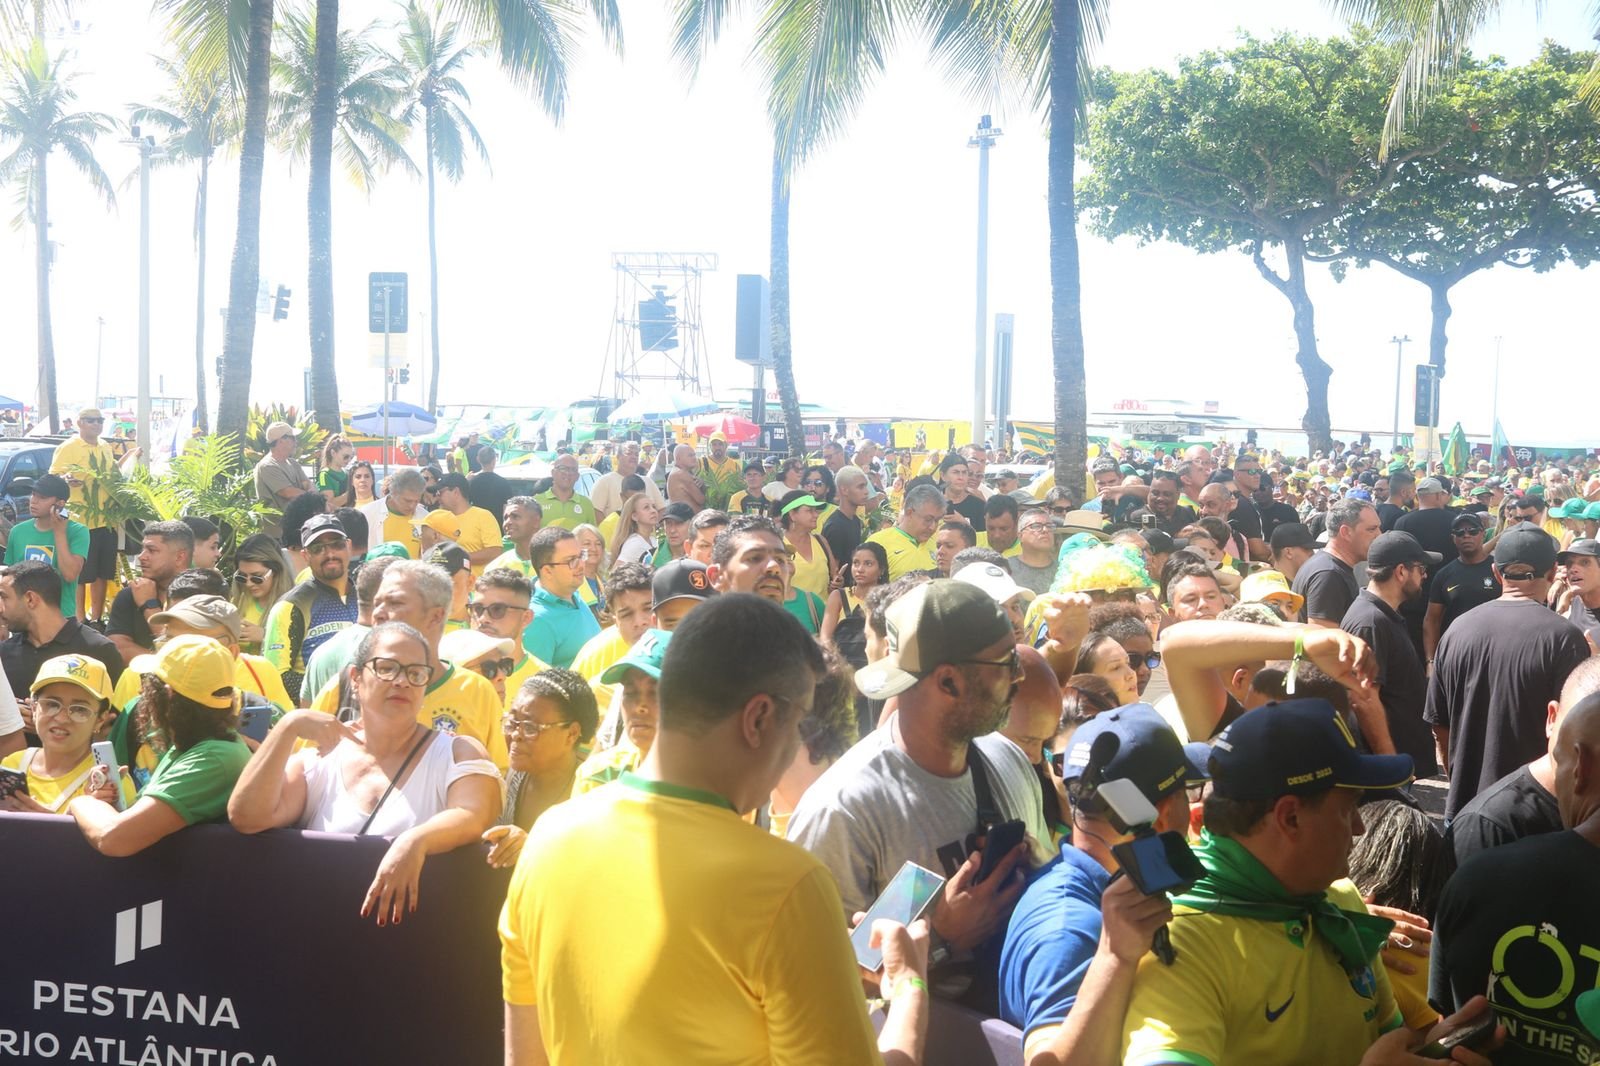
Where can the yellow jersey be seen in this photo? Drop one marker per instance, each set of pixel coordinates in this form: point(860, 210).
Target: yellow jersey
point(474, 530)
point(458, 702)
point(696, 974)
point(1010, 553)
point(56, 792)
point(604, 767)
point(906, 556)
point(72, 458)
point(600, 652)
point(512, 561)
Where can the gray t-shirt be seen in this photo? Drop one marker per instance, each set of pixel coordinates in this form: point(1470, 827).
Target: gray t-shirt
point(1037, 578)
point(875, 808)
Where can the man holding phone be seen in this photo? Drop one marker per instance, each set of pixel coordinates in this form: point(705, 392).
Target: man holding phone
point(50, 537)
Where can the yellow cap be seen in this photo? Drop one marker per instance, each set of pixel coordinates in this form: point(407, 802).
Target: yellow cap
point(88, 674)
point(1270, 585)
point(196, 667)
point(444, 523)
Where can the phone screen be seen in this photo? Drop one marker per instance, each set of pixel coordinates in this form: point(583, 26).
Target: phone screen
point(1471, 1034)
point(902, 900)
point(13, 781)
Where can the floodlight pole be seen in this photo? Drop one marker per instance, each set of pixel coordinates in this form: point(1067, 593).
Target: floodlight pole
point(1399, 351)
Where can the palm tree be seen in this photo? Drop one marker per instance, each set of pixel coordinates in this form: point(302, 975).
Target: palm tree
point(817, 59)
point(432, 60)
point(196, 115)
point(365, 138)
point(535, 39)
point(36, 119)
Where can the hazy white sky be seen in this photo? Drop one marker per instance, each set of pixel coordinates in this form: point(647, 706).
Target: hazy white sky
point(883, 238)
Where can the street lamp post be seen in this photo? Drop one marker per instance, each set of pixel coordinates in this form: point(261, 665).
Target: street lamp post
point(147, 151)
point(983, 140)
point(99, 349)
point(1399, 350)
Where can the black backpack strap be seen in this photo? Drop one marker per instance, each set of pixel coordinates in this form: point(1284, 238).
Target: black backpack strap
point(988, 810)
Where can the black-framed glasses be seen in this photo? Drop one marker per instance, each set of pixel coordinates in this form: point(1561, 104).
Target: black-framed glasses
point(1151, 659)
point(515, 726)
point(1035, 527)
point(572, 563)
point(324, 544)
point(1061, 510)
point(385, 669)
point(1012, 662)
point(497, 611)
point(493, 668)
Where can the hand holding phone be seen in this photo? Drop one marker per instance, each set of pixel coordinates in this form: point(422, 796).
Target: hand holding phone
point(904, 899)
point(999, 843)
point(106, 758)
point(13, 782)
point(1472, 1027)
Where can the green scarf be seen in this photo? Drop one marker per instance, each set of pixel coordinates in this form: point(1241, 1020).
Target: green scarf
point(1237, 884)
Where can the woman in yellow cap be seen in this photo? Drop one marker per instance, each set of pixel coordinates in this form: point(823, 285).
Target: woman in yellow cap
point(71, 703)
point(189, 698)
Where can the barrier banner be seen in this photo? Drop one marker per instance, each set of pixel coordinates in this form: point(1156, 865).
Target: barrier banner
point(217, 949)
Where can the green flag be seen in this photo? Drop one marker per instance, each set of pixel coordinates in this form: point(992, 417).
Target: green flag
point(1456, 452)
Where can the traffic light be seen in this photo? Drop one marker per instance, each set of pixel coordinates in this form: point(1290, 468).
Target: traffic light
point(658, 322)
point(405, 375)
point(280, 304)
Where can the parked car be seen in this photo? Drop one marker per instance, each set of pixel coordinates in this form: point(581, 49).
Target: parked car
point(21, 460)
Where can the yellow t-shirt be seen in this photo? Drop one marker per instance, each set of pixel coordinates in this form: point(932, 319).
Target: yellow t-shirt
point(595, 657)
point(402, 529)
point(52, 792)
point(512, 561)
point(459, 702)
point(251, 673)
point(1010, 553)
point(72, 457)
point(608, 526)
point(906, 556)
point(604, 767)
point(1247, 991)
point(475, 529)
point(696, 973)
point(530, 665)
point(811, 574)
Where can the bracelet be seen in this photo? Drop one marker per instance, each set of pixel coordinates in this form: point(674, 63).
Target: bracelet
point(910, 979)
point(1294, 666)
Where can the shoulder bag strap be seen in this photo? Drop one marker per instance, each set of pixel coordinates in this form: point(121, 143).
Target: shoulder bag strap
point(988, 812)
point(426, 737)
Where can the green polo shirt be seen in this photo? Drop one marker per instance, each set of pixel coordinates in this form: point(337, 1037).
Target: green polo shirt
point(568, 514)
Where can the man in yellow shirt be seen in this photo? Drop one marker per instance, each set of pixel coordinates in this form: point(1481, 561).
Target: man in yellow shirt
point(474, 529)
point(1000, 519)
point(762, 974)
point(629, 598)
point(394, 517)
point(76, 459)
point(909, 542)
point(719, 472)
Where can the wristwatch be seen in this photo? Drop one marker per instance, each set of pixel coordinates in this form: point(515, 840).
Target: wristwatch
point(151, 604)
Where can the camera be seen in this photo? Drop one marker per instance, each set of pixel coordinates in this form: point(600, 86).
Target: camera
point(1155, 862)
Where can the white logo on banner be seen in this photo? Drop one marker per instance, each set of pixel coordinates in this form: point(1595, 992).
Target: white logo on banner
point(141, 923)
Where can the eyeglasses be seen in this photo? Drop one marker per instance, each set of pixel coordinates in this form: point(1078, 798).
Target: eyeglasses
point(1253, 471)
point(493, 668)
point(517, 727)
point(384, 669)
point(1012, 662)
point(49, 708)
point(574, 562)
point(254, 579)
point(497, 611)
point(1152, 660)
point(83, 420)
point(814, 483)
point(1061, 510)
point(1036, 527)
point(326, 544)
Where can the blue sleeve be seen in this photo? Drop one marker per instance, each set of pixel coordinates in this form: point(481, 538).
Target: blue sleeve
point(1051, 939)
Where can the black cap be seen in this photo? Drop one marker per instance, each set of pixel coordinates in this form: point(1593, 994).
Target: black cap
point(52, 485)
point(451, 558)
point(454, 480)
point(1582, 546)
point(321, 525)
point(1396, 547)
point(677, 511)
point(1292, 535)
point(1160, 542)
point(680, 579)
point(1528, 544)
point(1297, 748)
point(1466, 520)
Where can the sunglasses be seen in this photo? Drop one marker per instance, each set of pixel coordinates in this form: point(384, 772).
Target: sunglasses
point(496, 611)
point(1520, 575)
point(493, 668)
point(96, 420)
point(1152, 660)
point(255, 579)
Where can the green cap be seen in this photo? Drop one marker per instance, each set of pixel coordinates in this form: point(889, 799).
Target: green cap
point(1536, 489)
point(804, 501)
point(646, 655)
point(1591, 513)
point(391, 549)
point(1396, 466)
point(1573, 507)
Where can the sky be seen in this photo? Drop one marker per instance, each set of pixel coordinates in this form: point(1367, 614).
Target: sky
point(883, 239)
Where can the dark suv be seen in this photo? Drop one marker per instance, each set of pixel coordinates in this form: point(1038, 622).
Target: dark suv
point(21, 460)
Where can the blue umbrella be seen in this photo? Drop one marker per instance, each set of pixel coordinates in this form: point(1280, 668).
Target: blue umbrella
point(404, 420)
point(665, 405)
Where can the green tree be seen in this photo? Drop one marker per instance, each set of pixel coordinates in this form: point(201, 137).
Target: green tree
point(195, 116)
point(1258, 148)
point(432, 56)
point(36, 119)
point(816, 59)
point(366, 140)
point(1515, 182)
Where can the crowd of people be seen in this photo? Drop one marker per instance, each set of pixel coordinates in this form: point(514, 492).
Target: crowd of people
point(1164, 740)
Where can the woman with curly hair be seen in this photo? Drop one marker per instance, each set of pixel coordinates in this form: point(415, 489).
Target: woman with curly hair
point(825, 734)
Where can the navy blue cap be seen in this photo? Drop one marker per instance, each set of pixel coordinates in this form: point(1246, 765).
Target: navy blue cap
point(1147, 752)
point(1297, 748)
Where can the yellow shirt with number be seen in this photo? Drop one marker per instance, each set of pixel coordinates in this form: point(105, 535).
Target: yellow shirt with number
point(906, 556)
point(764, 974)
point(72, 458)
point(459, 702)
point(1250, 991)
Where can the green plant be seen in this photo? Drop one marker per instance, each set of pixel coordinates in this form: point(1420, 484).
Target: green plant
point(308, 436)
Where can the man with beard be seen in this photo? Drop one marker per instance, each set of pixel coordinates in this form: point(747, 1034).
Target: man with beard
point(1163, 503)
point(1397, 568)
point(935, 775)
point(314, 610)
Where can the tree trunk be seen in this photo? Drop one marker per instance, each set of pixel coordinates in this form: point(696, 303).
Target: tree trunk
point(1316, 423)
point(1441, 318)
point(201, 193)
point(433, 272)
point(47, 348)
point(782, 359)
point(319, 280)
point(1066, 313)
point(233, 406)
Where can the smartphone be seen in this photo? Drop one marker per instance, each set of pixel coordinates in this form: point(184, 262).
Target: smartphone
point(997, 844)
point(254, 721)
point(1148, 521)
point(904, 899)
point(1158, 862)
point(1473, 1034)
point(105, 755)
point(12, 782)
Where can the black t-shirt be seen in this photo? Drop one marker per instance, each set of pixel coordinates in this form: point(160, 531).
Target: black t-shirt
point(1526, 914)
point(1494, 675)
point(1245, 519)
point(127, 618)
point(1388, 515)
point(1462, 586)
point(1514, 807)
point(1276, 514)
point(1402, 682)
point(1431, 527)
point(490, 491)
point(22, 660)
point(1329, 586)
point(1181, 516)
point(843, 534)
point(970, 508)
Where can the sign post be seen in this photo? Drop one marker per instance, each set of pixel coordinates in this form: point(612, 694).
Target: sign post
point(386, 314)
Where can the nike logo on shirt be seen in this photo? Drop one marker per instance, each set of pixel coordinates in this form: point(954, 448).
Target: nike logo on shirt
point(1274, 1015)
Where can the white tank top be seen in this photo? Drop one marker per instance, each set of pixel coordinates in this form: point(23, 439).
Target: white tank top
point(331, 809)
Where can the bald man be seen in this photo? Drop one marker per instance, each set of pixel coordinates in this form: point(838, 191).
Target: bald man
point(1522, 803)
point(1519, 922)
point(682, 484)
point(1033, 722)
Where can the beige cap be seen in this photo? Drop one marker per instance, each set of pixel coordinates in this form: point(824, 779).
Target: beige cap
point(278, 430)
point(89, 412)
point(467, 646)
point(203, 612)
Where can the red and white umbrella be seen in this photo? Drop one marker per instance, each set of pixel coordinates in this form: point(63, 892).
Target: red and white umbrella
point(737, 430)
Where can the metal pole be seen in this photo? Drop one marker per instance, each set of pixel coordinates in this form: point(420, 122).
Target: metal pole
point(422, 363)
point(142, 414)
point(385, 392)
point(983, 140)
point(99, 350)
point(1399, 350)
point(1494, 408)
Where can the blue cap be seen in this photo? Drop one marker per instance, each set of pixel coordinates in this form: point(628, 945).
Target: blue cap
point(1147, 752)
point(1297, 748)
point(1360, 494)
point(646, 655)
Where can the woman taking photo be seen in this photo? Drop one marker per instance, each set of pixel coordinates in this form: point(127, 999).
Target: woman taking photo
point(635, 538)
point(333, 481)
point(71, 704)
point(259, 579)
point(844, 623)
point(814, 568)
point(551, 716)
point(362, 483)
point(386, 775)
